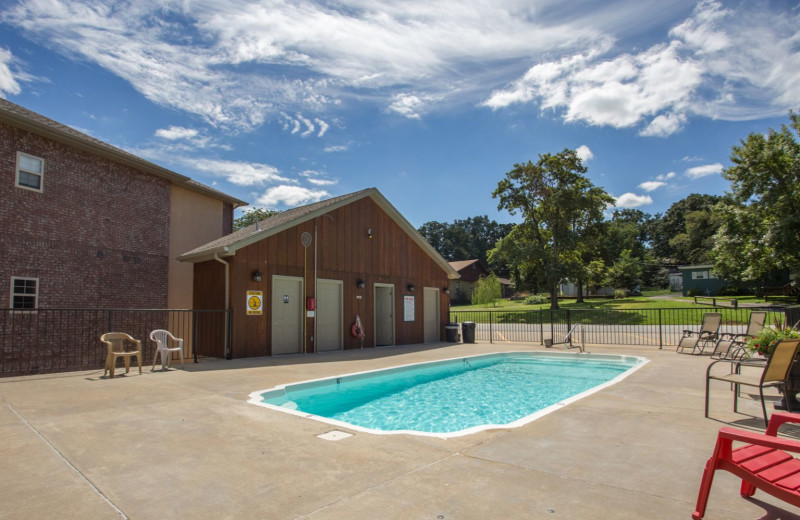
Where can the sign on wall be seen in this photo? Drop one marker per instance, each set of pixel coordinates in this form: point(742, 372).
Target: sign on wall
point(408, 308)
point(255, 303)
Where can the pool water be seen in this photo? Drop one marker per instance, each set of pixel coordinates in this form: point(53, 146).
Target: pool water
point(452, 397)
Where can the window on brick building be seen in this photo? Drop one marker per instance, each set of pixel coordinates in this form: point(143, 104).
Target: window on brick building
point(24, 293)
point(30, 172)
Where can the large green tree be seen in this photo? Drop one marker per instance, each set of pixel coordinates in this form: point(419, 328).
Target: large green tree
point(561, 210)
point(760, 233)
point(675, 237)
point(466, 239)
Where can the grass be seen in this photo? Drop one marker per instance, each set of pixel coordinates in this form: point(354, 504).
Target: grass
point(639, 310)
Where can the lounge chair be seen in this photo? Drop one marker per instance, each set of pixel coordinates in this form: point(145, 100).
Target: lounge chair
point(698, 341)
point(731, 345)
point(762, 462)
point(773, 374)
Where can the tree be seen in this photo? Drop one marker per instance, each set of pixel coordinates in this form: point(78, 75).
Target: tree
point(673, 223)
point(249, 218)
point(625, 273)
point(761, 231)
point(486, 290)
point(561, 210)
point(467, 239)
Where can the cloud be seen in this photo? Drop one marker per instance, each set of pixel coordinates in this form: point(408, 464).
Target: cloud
point(176, 132)
point(666, 176)
point(651, 185)
point(323, 127)
point(290, 196)
point(293, 125)
point(337, 148)
point(317, 178)
point(631, 200)
point(240, 63)
point(717, 63)
point(704, 171)
point(8, 84)
point(237, 172)
point(584, 153)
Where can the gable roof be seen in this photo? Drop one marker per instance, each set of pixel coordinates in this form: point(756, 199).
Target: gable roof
point(229, 244)
point(460, 265)
point(17, 116)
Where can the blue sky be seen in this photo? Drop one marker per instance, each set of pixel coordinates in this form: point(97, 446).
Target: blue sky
point(282, 103)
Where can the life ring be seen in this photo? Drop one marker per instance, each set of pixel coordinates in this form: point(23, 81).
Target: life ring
point(357, 330)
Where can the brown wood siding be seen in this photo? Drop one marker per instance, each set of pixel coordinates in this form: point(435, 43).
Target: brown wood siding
point(346, 253)
point(209, 293)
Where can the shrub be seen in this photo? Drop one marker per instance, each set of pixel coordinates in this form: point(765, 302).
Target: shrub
point(535, 299)
point(693, 291)
point(620, 293)
point(487, 290)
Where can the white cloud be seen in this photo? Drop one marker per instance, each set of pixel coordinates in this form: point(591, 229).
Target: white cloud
point(631, 200)
point(237, 172)
point(584, 153)
point(666, 176)
point(238, 63)
point(323, 127)
point(704, 171)
point(718, 63)
point(176, 132)
point(8, 84)
point(337, 148)
point(651, 185)
point(290, 196)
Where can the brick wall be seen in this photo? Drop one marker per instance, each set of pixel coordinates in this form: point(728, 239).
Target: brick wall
point(97, 236)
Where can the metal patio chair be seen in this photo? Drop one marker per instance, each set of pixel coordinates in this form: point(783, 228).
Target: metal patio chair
point(698, 341)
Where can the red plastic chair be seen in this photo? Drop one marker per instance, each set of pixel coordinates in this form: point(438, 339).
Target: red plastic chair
point(763, 463)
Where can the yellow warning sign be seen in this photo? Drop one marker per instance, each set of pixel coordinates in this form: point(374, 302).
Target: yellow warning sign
point(255, 303)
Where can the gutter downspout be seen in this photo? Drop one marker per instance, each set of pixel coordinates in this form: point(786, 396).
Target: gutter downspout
point(227, 301)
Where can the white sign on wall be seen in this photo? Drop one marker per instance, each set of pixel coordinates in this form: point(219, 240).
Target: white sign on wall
point(408, 308)
point(255, 303)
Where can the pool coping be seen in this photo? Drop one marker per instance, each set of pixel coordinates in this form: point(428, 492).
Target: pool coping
point(255, 397)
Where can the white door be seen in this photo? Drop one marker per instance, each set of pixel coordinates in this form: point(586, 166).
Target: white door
point(384, 315)
point(430, 304)
point(287, 315)
point(329, 315)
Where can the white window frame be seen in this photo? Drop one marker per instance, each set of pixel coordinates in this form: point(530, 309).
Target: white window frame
point(13, 293)
point(700, 275)
point(40, 173)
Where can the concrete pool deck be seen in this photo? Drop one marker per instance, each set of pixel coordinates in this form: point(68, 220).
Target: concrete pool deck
point(186, 444)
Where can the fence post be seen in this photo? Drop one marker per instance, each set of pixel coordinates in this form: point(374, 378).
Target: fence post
point(660, 332)
point(195, 319)
point(541, 327)
point(491, 334)
point(569, 326)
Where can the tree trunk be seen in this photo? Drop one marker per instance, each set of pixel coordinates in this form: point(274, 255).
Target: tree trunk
point(554, 296)
point(580, 289)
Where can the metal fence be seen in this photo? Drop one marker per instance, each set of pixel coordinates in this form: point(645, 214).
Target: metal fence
point(649, 327)
point(60, 340)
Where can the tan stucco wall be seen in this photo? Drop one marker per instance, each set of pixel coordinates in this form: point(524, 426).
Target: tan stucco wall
point(195, 219)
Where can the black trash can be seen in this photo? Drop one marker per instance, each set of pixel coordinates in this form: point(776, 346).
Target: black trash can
point(451, 332)
point(468, 331)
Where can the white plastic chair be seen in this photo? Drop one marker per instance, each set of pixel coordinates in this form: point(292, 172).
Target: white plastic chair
point(162, 337)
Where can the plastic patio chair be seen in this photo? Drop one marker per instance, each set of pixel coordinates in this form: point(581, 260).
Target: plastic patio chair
point(698, 341)
point(774, 374)
point(117, 343)
point(162, 337)
point(731, 345)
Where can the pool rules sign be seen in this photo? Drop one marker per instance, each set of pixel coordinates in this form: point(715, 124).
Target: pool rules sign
point(255, 303)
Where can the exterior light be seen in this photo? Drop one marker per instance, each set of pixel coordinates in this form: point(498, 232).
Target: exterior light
point(360, 283)
point(410, 287)
point(369, 233)
point(256, 276)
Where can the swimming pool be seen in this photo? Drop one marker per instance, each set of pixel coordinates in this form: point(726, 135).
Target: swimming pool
point(452, 397)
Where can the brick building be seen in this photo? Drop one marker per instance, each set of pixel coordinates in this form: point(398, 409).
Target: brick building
point(85, 224)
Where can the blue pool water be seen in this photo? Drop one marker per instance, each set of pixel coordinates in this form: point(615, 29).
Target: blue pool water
point(452, 397)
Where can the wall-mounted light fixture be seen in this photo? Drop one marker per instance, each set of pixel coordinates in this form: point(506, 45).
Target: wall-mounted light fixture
point(447, 290)
point(369, 233)
point(256, 276)
point(411, 287)
point(360, 283)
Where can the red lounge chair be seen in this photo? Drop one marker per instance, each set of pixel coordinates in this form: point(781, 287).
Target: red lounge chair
point(763, 463)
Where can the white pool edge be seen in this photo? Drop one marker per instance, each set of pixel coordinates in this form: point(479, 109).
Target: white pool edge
point(256, 399)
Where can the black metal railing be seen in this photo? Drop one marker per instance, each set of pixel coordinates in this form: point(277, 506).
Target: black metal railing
point(648, 327)
point(60, 340)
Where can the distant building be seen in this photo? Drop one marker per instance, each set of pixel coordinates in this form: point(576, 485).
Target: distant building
point(470, 272)
point(701, 278)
